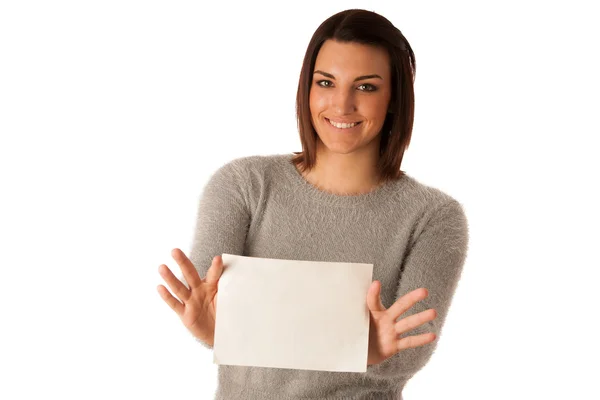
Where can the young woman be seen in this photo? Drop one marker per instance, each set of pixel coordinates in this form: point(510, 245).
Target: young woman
point(342, 199)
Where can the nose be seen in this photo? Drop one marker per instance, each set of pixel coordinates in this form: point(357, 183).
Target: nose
point(343, 102)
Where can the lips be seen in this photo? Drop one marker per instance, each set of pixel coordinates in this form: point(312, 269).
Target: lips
point(356, 123)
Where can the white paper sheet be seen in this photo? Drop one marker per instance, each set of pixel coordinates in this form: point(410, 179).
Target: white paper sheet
point(293, 314)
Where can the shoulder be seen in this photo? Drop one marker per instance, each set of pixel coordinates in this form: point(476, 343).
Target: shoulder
point(251, 175)
point(428, 201)
point(256, 162)
point(254, 169)
point(247, 165)
point(424, 192)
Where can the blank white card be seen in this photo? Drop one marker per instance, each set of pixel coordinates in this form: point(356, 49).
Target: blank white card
point(293, 314)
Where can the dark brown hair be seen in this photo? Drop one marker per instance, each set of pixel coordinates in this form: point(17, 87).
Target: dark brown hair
point(364, 27)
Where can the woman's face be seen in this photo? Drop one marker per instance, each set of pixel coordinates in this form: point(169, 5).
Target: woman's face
point(351, 85)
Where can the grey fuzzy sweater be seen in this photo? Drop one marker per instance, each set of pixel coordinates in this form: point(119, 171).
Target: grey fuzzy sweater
point(414, 235)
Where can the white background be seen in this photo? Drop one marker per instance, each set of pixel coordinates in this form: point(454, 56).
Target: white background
point(113, 114)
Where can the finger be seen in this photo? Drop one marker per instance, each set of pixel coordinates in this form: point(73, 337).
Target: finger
point(374, 297)
point(413, 321)
point(407, 301)
point(215, 271)
point(170, 300)
point(415, 341)
point(176, 286)
point(187, 268)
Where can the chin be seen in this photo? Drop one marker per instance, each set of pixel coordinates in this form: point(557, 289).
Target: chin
point(339, 148)
point(344, 149)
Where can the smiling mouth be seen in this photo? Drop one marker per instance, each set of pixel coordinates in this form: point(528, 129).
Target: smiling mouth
point(343, 125)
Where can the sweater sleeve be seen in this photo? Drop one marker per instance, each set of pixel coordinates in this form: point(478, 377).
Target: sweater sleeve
point(222, 219)
point(435, 262)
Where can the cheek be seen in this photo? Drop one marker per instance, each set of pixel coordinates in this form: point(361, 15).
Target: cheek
point(376, 109)
point(317, 101)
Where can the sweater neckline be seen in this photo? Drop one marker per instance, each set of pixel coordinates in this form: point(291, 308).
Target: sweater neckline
point(310, 191)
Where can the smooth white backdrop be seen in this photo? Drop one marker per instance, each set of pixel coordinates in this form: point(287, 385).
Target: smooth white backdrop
point(114, 114)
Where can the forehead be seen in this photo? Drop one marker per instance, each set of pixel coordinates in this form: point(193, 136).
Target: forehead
point(352, 59)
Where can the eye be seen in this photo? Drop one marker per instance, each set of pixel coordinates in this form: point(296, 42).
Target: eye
point(322, 83)
point(368, 87)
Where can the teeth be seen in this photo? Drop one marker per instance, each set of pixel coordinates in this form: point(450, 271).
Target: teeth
point(343, 125)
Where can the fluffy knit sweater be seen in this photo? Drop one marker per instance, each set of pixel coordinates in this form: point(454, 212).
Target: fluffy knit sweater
point(414, 235)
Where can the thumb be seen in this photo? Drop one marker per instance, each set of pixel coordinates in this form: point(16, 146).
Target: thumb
point(374, 297)
point(216, 270)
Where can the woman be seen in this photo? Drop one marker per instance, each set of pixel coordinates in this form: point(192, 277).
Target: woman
point(342, 199)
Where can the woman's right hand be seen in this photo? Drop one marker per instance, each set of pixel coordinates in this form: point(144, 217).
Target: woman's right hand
point(196, 306)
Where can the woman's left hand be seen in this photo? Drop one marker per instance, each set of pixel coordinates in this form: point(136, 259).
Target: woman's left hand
point(384, 330)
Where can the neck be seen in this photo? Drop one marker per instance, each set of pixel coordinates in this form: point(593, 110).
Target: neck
point(345, 174)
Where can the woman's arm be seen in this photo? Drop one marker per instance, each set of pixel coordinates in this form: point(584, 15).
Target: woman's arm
point(222, 219)
point(435, 262)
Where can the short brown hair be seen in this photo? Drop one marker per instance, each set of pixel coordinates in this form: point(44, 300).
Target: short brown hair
point(364, 27)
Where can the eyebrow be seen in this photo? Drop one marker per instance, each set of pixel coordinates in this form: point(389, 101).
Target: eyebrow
point(360, 78)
